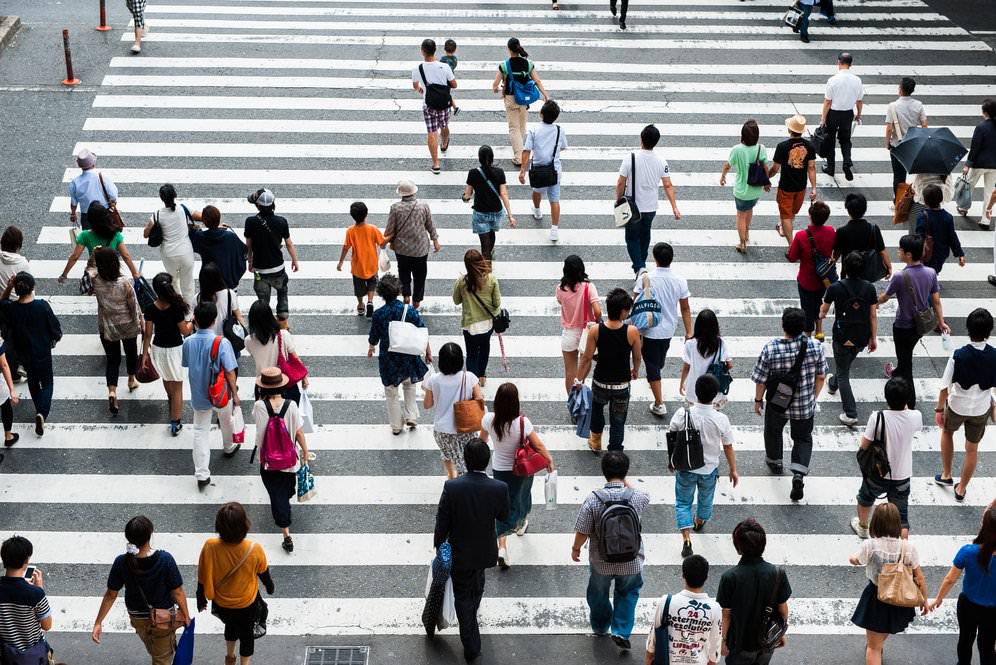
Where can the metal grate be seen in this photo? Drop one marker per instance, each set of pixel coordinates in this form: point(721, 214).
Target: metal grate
point(337, 656)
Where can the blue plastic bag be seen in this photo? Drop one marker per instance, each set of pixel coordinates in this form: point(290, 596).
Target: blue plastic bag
point(185, 646)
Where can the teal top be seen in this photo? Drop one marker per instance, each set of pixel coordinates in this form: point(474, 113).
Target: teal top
point(740, 159)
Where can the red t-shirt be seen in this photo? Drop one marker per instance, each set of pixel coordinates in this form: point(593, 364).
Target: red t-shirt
point(801, 251)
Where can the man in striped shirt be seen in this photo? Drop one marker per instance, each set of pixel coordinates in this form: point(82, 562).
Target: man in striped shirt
point(24, 610)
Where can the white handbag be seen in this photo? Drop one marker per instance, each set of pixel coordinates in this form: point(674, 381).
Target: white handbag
point(407, 338)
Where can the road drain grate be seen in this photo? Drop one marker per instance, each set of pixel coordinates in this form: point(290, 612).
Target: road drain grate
point(337, 656)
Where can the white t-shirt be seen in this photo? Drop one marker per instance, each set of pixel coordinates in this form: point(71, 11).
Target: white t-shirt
point(697, 365)
point(649, 170)
point(971, 402)
point(222, 301)
point(445, 389)
point(176, 239)
point(909, 113)
point(540, 142)
point(292, 419)
point(900, 428)
point(876, 551)
point(668, 289)
point(694, 628)
point(265, 355)
point(505, 448)
point(844, 90)
point(714, 432)
point(435, 72)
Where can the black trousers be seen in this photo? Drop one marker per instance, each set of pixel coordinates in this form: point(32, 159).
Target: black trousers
point(468, 588)
point(413, 267)
point(905, 340)
point(113, 352)
point(898, 171)
point(238, 625)
point(622, 9)
point(281, 486)
point(801, 432)
point(7, 413)
point(839, 128)
point(976, 622)
point(826, 7)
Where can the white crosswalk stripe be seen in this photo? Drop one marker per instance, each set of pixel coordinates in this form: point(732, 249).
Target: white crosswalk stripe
point(210, 109)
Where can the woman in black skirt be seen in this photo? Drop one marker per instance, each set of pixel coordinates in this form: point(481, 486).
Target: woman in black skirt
point(877, 618)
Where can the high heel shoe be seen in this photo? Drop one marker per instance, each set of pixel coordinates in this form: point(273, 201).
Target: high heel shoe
point(112, 403)
point(132, 385)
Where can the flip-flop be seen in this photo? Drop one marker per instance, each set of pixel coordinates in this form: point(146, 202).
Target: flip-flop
point(445, 146)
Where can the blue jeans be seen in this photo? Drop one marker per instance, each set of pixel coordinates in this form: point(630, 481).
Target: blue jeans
point(685, 485)
point(638, 240)
point(618, 401)
point(619, 616)
point(40, 382)
point(478, 352)
point(804, 19)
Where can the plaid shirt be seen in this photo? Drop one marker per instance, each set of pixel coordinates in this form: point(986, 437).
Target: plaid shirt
point(778, 356)
point(588, 516)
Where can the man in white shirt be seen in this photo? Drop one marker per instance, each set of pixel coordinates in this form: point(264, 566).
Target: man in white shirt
point(694, 620)
point(543, 145)
point(715, 434)
point(966, 398)
point(843, 96)
point(902, 114)
point(433, 80)
point(899, 427)
point(650, 170)
point(671, 292)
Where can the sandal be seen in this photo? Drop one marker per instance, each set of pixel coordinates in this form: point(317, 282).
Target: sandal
point(435, 170)
point(360, 310)
point(779, 230)
point(741, 249)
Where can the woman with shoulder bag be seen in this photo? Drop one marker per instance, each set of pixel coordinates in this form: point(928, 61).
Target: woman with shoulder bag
point(409, 231)
point(117, 321)
point(508, 430)
point(747, 158)
point(880, 619)
point(229, 571)
point(174, 237)
point(517, 67)
point(268, 342)
point(442, 391)
point(166, 325)
point(154, 594)
point(579, 309)
point(479, 296)
point(486, 184)
point(705, 348)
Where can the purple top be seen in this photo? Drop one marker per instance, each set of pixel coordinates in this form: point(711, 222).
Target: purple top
point(925, 284)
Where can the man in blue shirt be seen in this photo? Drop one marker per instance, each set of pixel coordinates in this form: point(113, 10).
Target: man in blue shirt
point(24, 608)
point(87, 187)
point(201, 372)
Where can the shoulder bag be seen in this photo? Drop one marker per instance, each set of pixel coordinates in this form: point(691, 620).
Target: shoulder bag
point(781, 387)
point(156, 232)
point(928, 239)
point(896, 585)
point(159, 618)
point(792, 16)
point(528, 460)
point(962, 193)
point(112, 206)
point(874, 460)
point(262, 609)
point(288, 364)
point(437, 95)
point(233, 330)
point(646, 311)
point(757, 174)
point(773, 625)
point(684, 447)
point(662, 640)
point(873, 266)
point(501, 320)
point(405, 337)
point(825, 266)
point(544, 175)
point(467, 412)
point(719, 370)
point(903, 202)
point(524, 92)
point(924, 318)
point(625, 210)
point(218, 390)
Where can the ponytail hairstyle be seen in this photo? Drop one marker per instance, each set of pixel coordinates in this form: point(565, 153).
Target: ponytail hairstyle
point(574, 273)
point(168, 195)
point(986, 540)
point(138, 532)
point(162, 284)
point(515, 47)
point(486, 156)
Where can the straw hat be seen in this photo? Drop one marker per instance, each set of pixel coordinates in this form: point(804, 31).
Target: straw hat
point(796, 123)
point(271, 377)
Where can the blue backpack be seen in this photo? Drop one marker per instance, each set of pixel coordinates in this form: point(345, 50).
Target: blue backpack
point(524, 92)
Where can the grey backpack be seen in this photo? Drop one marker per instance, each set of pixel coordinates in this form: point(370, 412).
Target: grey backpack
point(618, 528)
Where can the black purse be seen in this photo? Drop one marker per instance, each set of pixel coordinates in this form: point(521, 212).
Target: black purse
point(684, 448)
point(773, 626)
point(500, 321)
point(233, 330)
point(546, 174)
point(757, 174)
point(781, 387)
point(874, 460)
point(156, 233)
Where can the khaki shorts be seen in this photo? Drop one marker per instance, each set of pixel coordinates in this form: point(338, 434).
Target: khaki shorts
point(975, 426)
point(789, 203)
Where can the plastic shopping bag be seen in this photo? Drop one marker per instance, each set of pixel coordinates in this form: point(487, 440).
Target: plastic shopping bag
point(185, 646)
point(383, 261)
point(307, 413)
point(448, 616)
point(550, 490)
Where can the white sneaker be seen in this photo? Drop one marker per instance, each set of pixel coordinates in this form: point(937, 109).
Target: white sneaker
point(136, 48)
point(861, 531)
point(537, 214)
point(554, 233)
point(659, 410)
point(848, 420)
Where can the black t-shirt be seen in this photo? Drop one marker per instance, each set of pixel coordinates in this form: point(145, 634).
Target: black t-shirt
point(267, 234)
point(486, 200)
point(165, 325)
point(744, 590)
point(857, 235)
point(521, 68)
point(794, 155)
point(858, 320)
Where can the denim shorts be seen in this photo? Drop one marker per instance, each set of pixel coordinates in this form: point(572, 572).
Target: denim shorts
point(552, 193)
point(896, 492)
point(743, 205)
point(483, 222)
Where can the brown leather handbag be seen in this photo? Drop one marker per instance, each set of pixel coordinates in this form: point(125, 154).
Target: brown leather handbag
point(112, 207)
point(467, 413)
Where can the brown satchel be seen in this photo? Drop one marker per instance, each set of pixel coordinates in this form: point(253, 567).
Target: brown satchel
point(896, 585)
point(112, 206)
point(903, 203)
point(467, 413)
point(160, 619)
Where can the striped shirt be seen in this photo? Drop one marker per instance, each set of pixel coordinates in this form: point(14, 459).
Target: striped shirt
point(23, 607)
point(588, 516)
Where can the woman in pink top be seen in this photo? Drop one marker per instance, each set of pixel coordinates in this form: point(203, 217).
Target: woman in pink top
point(578, 308)
point(811, 285)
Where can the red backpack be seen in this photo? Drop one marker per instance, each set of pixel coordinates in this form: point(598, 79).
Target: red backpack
point(278, 452)
point(218, 392)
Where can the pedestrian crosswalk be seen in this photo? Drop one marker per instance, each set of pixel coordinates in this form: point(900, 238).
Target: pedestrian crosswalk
point(312, 98)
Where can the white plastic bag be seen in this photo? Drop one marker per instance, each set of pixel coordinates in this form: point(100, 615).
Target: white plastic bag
point(383, 261)
point(448, 616)
point(307, 413)
point(550, 490)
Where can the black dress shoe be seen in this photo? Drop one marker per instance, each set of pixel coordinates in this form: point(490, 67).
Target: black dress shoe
point(827, 171)
point(12, 440)
point(992, 279)
point(622, 24)
point(797, 489)
point(472, 657)
point(231, 454)
point(201, 484)
point(622, 642)
point(848, 174)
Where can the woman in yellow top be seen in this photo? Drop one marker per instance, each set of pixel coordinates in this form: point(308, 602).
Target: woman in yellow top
point(227, 573)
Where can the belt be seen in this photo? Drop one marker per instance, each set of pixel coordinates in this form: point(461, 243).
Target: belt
point(610, 386)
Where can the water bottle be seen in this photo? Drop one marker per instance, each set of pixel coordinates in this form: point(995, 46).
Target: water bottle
point(946, 341)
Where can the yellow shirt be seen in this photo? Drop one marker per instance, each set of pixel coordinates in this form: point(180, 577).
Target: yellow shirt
point(217, 559)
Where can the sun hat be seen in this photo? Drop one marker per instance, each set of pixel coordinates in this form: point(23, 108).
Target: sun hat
point(271, 377)
point(406, 188)
point(86, 159)
point(796, 123)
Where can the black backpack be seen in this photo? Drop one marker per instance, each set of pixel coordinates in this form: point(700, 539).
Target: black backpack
point(851, 323)
point(618, 528)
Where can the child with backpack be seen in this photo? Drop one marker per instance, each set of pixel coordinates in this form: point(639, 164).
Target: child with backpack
point(936, 226)
point(364, 239)
point(450, 58)
point(279, 434)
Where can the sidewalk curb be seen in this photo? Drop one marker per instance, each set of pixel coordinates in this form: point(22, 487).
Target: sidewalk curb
point(8, 28)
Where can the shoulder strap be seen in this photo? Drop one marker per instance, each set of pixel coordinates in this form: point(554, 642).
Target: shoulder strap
point(909, 287)
point(556, 143)
point(422, 72)
point(283, 409)
point(522, 431)
point(404, 313)
point(601, 495)
point(774, 587)
point(627, 494)
point(103, 188)
point(850, 293)
point(269, 408)
point(478, 299)
point(215, 347)
point(484, 175)
point(632, 173)
point(186, 212)
point(803, 348)
point(231, 572)
point(508, 68)
point(895, 121)
point(880, 425)
point(812, 242)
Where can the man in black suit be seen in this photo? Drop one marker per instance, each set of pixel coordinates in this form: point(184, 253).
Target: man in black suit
point(466, 518)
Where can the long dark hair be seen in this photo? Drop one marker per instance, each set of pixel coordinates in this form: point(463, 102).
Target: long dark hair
point(486, 156)
point(515, 47)
point(138, 532)
point(108, 264)
point(168, 195)
point(162, 284)
point(987, 538)
point(477, 270)
point(506, 408)
point(262, 324)
point(574, 273)
point(211, 281)
point(706, 333)
point(100, 221)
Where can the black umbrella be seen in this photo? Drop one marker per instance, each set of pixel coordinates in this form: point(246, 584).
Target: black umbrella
point(929, 150)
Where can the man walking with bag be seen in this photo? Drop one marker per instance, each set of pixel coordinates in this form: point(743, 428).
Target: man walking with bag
point(468, 508)
point(843, 96)
point(434, 80)
point(902, 114)
point(541, 158)
point(789, 375)
point(609, 520)
point(265, 232)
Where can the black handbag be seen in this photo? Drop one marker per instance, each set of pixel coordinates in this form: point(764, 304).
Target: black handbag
point(684, 448)
point(773, 625)
point(262, 613)
point(826, 267)
point(874, 460)
point(872, 264)
point(545, 175)
point(437, 95)
point(500, 321)
point(820, 143)
point(757, 174)
point(156, 232)
point(233, 330)
point(781, 387)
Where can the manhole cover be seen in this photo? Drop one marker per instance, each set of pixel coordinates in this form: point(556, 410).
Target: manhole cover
point(337, 656)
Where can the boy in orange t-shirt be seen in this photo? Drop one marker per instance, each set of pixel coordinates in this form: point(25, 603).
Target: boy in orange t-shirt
point(363, 239)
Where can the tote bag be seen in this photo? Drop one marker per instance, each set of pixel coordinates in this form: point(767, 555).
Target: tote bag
point(467, 413)
point(896, 585)
point(407, 338)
